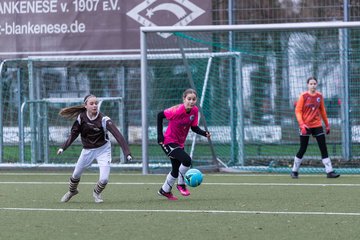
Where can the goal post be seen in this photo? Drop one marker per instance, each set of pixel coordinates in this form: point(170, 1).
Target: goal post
point(257, 91)
point(205, 154)
point(35, 89)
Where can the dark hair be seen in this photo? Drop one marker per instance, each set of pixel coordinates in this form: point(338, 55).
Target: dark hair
point(189, 91)
point(311, 78)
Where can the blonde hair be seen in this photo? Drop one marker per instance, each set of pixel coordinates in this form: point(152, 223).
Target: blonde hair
point(73, 111)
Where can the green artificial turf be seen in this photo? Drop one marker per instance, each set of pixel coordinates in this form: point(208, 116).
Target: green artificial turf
point(225, 206)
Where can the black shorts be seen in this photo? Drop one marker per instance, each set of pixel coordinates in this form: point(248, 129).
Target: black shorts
point(313, 131)
point(169, 148)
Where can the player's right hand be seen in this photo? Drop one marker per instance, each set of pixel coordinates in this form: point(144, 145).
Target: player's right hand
point(303, 129)
point(160, 140)
point(60, 151)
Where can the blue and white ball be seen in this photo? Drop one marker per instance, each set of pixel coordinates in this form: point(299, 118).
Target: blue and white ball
point(193, 177)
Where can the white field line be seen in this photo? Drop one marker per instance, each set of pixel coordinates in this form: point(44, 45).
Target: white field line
point(181, 211)
point(59, 174)
point(215, 184)
point(157, 174)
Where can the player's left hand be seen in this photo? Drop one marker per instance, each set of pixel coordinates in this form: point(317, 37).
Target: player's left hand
point(328, 129)
point(129, 158)
point(208, 134)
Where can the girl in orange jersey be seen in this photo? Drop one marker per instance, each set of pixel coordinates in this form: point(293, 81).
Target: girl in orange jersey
point(310, 112)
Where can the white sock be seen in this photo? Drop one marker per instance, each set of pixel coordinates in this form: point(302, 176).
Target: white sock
point(327, 164)
point(182, 171)
point(169, 182)
point(297, 163)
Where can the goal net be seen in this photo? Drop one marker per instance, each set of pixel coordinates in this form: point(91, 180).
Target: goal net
point(35, 89)
point(248, 80)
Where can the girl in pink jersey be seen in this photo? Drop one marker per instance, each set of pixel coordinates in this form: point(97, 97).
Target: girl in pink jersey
point(180, 118)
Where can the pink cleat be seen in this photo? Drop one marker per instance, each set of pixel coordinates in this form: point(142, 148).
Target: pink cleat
point(168, 195)
point(182, 189)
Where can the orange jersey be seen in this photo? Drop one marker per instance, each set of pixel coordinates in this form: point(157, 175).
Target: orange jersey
point(310, 109)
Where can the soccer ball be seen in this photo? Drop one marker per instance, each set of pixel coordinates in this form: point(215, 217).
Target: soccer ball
point(193, 177)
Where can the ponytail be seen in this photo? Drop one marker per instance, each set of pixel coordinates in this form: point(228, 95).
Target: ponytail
point(72, 112)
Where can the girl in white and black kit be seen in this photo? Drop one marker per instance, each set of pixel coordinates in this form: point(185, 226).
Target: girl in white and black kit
point(93, 126)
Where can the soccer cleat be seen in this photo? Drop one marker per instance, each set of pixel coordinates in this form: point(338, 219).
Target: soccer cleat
point(69, 195)
point(332, 175)
point(97, 197)
point(182, 189)
point(294, 175)
point(168, 195)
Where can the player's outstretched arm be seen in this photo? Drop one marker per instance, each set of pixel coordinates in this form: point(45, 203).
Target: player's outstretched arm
point(119, 138)
point(201, 132)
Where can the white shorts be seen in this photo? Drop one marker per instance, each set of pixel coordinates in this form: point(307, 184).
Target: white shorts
point(101, 154)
